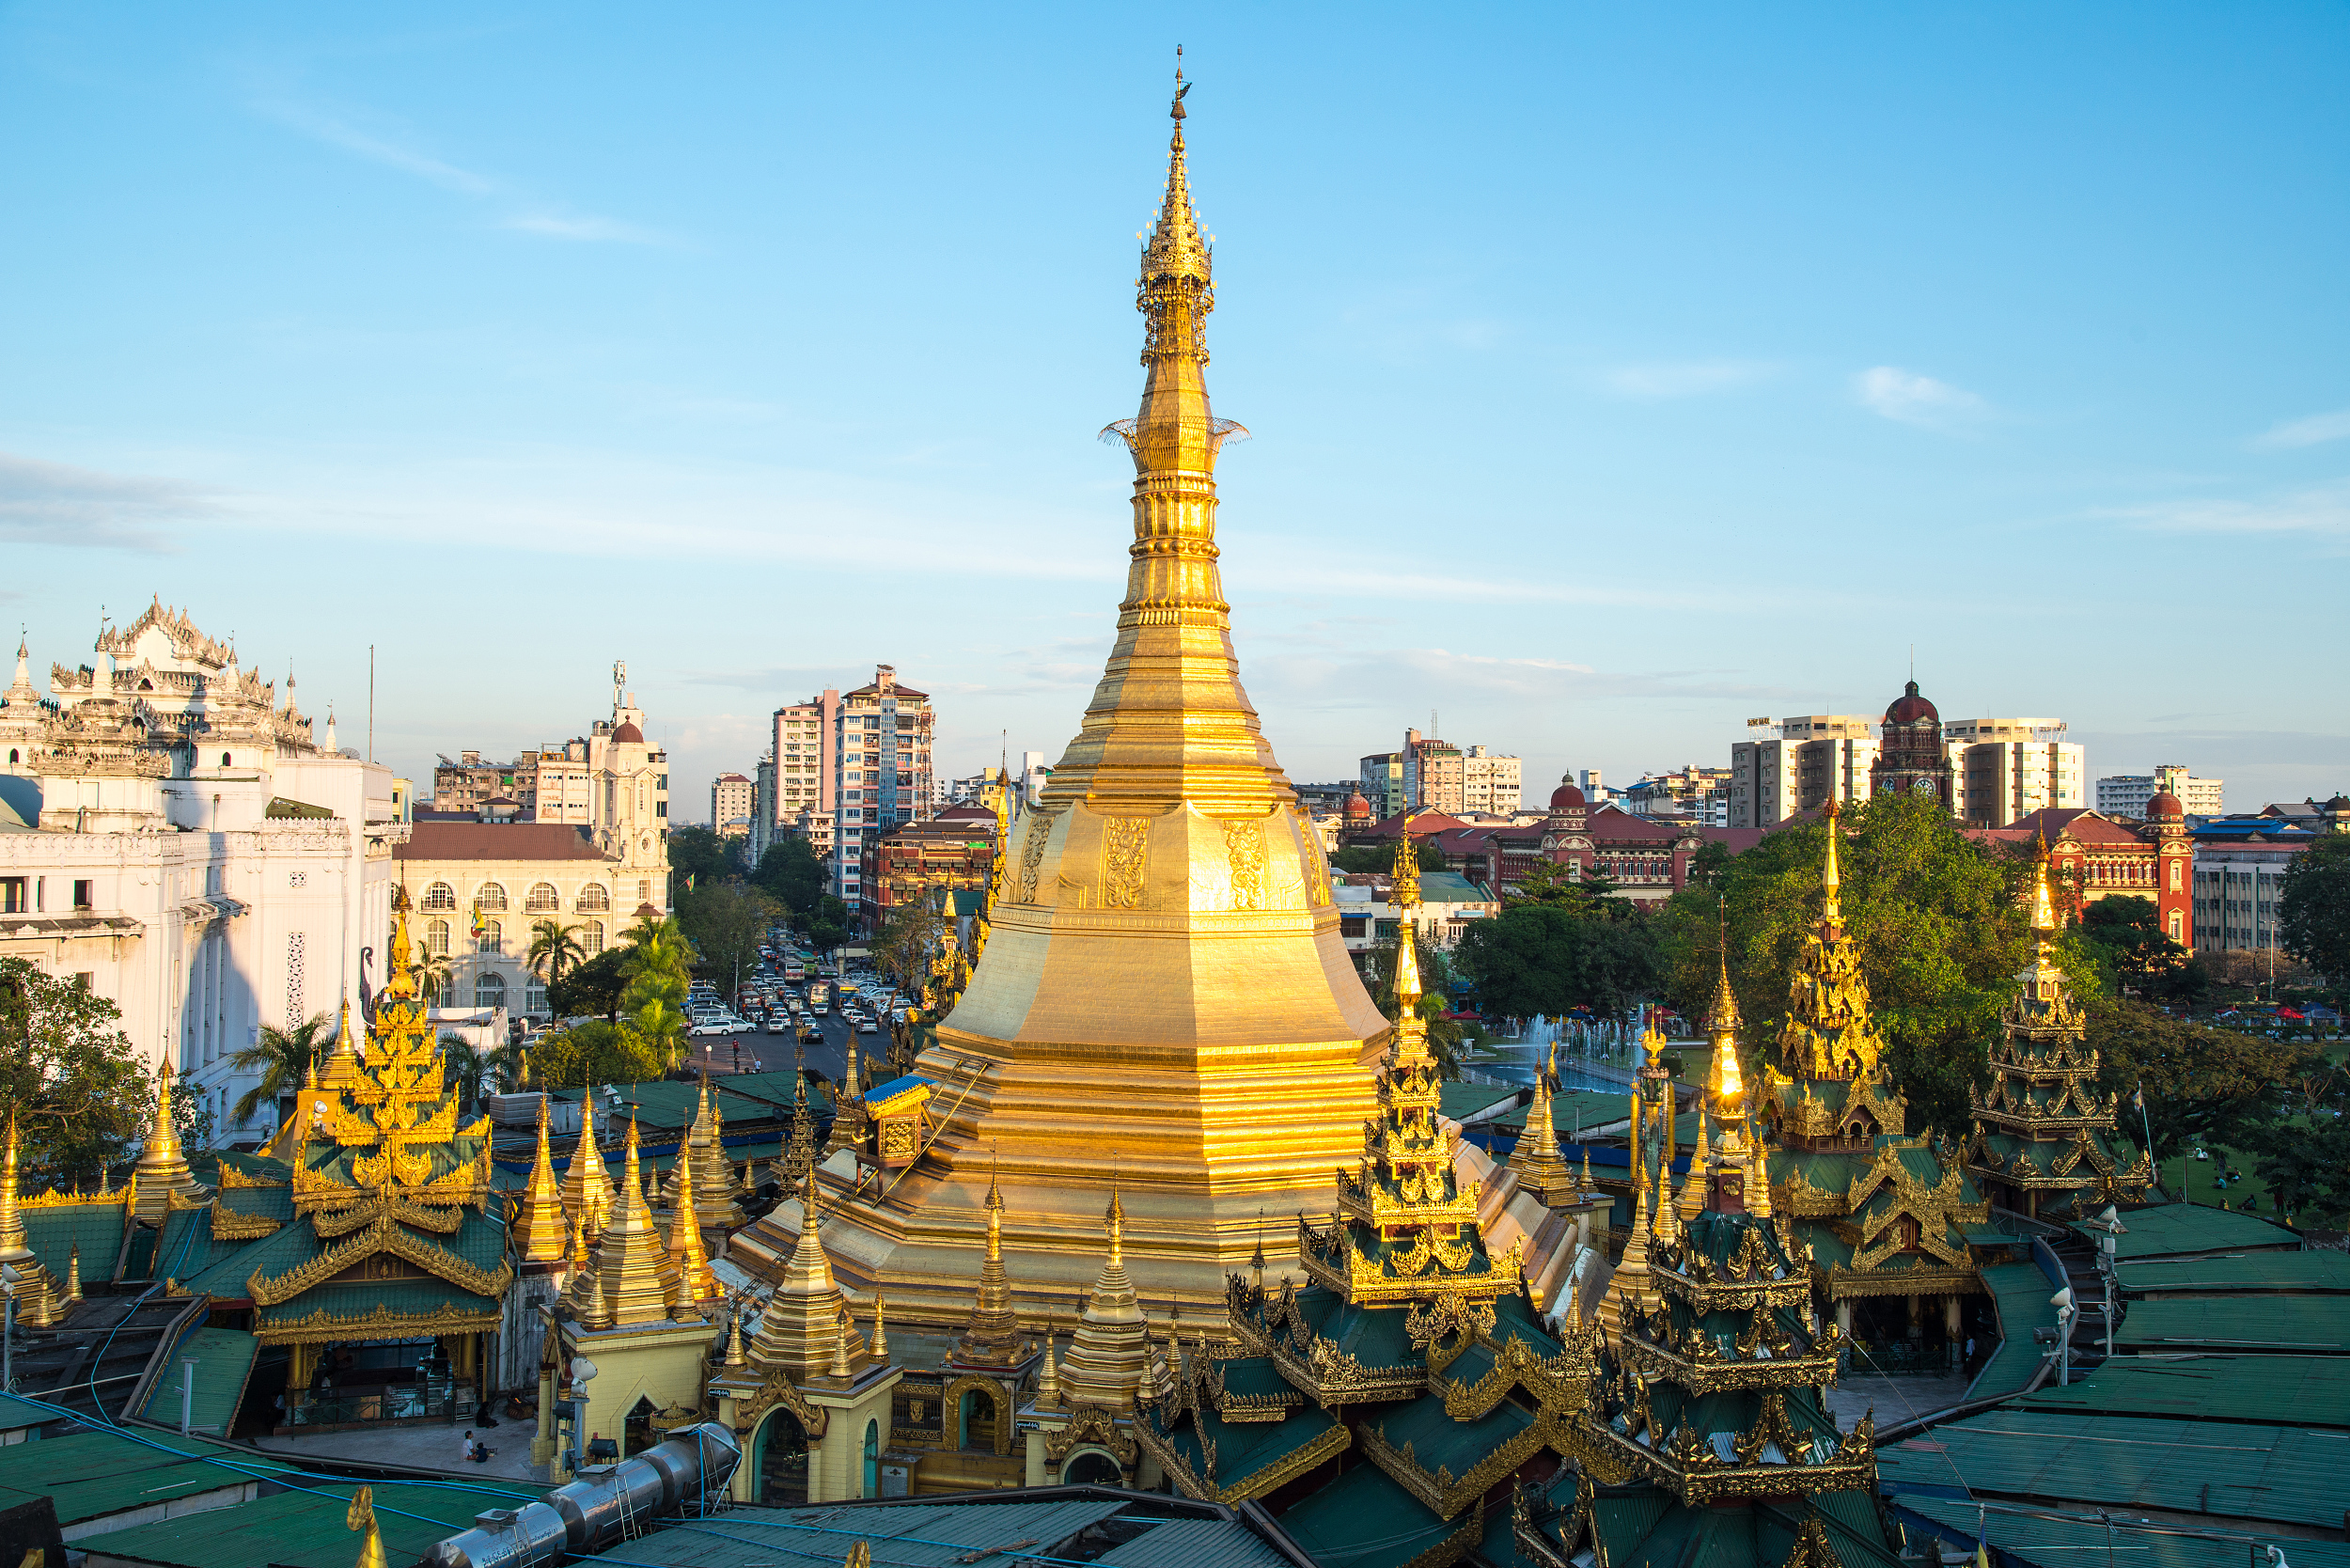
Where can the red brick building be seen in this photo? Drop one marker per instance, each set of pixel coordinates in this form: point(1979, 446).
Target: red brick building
point(2096, 856)
point(1647, 859)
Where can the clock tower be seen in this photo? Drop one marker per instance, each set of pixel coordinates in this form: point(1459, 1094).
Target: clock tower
point(1911, 756)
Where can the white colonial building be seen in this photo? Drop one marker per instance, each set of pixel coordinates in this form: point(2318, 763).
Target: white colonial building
point(177, 841)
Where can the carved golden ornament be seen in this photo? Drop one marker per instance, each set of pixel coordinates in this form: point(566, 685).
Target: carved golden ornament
point(80, 1200)
point(1126, 856)
point(1443, 1493)
point(1201, 1483)
point(778, 1390)
point(228, 1225)
point(1844, 1284)
point(232, 1178)
point(1032, 853)
point(1244, 848)
point(322, 1327)
point(1560, 1384)
point(383, 1236)
point(386, 1203)
point(994, 1389)
point(1094, 1426)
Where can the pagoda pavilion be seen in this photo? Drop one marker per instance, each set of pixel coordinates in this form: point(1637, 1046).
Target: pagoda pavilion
point(2045, 1143)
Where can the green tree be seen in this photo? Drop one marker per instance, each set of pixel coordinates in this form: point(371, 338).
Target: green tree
point(700, 858)
point(1552, 957)
point(1546, 882)
point(725, 922)
point(2124, 936)
point(1938, 919)
point(594, 986)
point(594, 1053)
point(68, 1076)
point(2313, 908)
point(433, 971)
point(829, 927)
point(471, 1070)
point(2218, 1085)
point(2306, 1165)
point(283, 1058)
point(790, 874)
point(1380, 859)
point(555, 949)
point(908, 939)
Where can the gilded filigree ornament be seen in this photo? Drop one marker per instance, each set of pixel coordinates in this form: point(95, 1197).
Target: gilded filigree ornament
point(1125, 856)
point(1244, 848)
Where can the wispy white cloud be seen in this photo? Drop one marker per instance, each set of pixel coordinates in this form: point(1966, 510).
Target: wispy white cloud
point(2310, 432)
point(2322, 511)
point(1682, 379)
point(392, 149)
point(50, 503)
point(1916, 399)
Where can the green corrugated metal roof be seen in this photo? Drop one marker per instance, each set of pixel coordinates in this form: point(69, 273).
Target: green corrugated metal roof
point(2240, 1271)
point(2081, 1542)
point(1464, 1100)
point(91, 1475)
point(306, 1529)
point(224, 1360)
point(2022, 1292)
point(1196, 1543)
point(96, 1227)
point(2283, 1391)
point(17, 1414)
point(2311, 1324)
point(915, 1535)
point(2177, 1227)
point(2288, 1474)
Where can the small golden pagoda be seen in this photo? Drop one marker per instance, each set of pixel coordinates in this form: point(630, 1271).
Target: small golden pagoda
point(586, 1182)
point(1883, 1214)
point(992, 1338)
point(539, 1227)
point(162, 1171)
point(40, 1297)
point(2045, 1142)
point(1163, 972)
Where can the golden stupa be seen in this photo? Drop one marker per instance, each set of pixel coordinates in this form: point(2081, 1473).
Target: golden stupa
point(1162, 986)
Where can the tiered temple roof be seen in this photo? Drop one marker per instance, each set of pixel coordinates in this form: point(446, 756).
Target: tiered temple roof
point(2045, 1138)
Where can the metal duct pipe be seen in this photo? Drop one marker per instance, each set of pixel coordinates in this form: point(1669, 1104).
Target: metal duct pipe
point(690, 1470)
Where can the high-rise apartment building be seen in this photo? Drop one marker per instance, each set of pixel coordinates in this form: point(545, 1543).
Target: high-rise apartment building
point(1382, 783)
point(1431, 774)
point(847, 765)
point(1812, 757)
point(2126, 794)
point(1491, 783)
point(731, 797)
point(2004, 769)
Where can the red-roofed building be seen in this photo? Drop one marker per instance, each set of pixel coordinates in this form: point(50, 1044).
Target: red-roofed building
point(2096, 856)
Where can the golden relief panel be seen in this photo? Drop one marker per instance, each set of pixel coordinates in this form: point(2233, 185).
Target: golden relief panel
point(1032, 853)
point(1244, 848)
point(1125, 861)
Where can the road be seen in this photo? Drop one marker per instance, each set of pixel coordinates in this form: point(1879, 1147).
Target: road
point(771, 1053)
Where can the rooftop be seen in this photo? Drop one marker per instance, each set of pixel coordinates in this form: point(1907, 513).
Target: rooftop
point(479, 840)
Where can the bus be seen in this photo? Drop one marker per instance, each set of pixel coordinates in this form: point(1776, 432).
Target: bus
point(819, 998)
point(792, 973)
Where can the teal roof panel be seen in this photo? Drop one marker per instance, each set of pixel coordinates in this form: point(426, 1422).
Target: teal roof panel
point(2170, 1229)
point(2283, 1391)
point(2303, 1325)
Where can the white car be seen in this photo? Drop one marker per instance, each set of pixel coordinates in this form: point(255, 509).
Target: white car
point(711, 1027)
point(866, 1026)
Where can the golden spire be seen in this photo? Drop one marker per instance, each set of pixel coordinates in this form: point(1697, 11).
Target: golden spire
point(880, 1328)
point(538, 1226)
point(1831, 912)
point(342, 1059)
point(1110, 1354)
point(1721, 1018)
point(11, 1214)
point(802, 1317)
point(630, 1259)
point(837, 1368)
point(2043, 918)
point(163, 1165)
point(1693, 1184)
point(992, 1337)
point(687, 1266)
point(399, 982)
point(1404, 874)
point(1048, 1376)
point(734, 1340)
point(38, 1294)
point(587, 1185)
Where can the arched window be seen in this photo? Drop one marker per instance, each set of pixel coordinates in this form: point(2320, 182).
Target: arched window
point(12, 756)
point(542, 897)
point(224, 759)
point(976, 1420)
point(782, 1462)
point(439, 896)
point(492, 896)
point(436, 938)
point(489, 989)
point(2176, 873)
point(591, 937)
point(2178, 926)
point(492, 938)
point(1091, 1467)
point(594, 896)
point(872, 1460)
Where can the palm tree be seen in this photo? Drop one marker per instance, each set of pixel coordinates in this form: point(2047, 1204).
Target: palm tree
point(432, 975)
point(283, 1058)
point(553, 947)
point(468, 1067)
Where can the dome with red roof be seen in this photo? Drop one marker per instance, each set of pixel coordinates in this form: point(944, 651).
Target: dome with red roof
point(1566, 797)
point(2165, 806)
point(1909, 708)
point(1358, 808)
point(628, 731)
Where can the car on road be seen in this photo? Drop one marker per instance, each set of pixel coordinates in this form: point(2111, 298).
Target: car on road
point(711, 1027)
point(812, 1035)
point(866, 1026)
point(778, 1023)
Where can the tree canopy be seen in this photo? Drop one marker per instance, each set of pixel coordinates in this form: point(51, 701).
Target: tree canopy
point(699, 857)
point(69, 1075)
point(1366, 858)
point(2215, 1084)
point(2314, 909)
point(1549, 958)
point(595, 1052)
point(594, 986)
point(725, 922)
point(790, 874)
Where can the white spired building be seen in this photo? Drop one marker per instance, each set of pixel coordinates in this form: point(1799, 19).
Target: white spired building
point(179, 843)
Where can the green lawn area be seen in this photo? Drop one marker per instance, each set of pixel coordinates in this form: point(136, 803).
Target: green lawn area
point(2189, 1178)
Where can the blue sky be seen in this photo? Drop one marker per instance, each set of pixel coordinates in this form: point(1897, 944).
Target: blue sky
point(1617, 374)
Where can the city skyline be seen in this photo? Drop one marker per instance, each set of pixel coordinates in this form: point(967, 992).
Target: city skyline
point(1719, 398)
